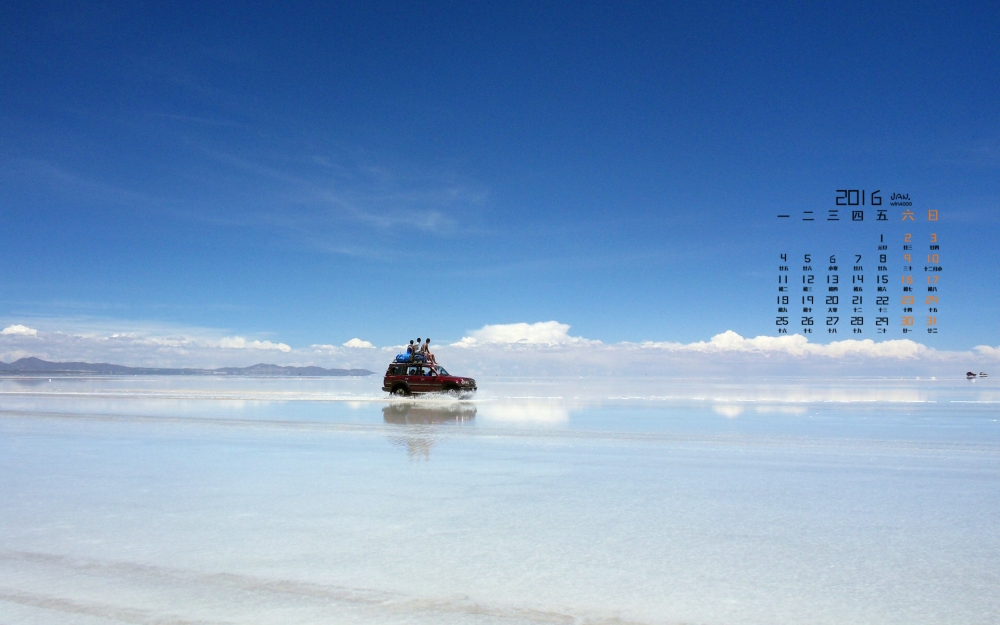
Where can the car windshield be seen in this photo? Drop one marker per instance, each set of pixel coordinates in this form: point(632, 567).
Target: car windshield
point(441, 371)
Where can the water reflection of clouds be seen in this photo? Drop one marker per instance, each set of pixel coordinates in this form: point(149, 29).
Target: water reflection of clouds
point(791, 410)
point(730, 411)
point(126, 405)
point(511, 399)
point(766, 391)
point(361, 390)
point(526, 412)
point(29, 382)
point(733, 410)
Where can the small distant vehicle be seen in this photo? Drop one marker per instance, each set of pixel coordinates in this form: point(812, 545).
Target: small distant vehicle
point(405, 378)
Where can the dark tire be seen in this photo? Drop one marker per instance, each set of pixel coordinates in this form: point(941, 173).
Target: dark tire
point(400, 391)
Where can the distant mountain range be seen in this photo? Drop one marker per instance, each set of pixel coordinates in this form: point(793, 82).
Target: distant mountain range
point(37, 365)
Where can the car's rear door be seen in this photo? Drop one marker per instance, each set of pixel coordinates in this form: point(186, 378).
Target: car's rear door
point(397, 373)
point(413, 379)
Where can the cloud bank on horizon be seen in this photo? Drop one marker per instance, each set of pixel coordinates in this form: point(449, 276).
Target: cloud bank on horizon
point(553, 333)
point(541, 348)
point(238, 342)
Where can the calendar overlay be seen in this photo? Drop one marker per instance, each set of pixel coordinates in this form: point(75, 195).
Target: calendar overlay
point(886, 282)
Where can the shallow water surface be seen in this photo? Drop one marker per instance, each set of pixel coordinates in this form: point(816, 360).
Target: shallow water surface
point(169, 500)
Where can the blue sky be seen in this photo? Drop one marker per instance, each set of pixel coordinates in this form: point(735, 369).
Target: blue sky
point(306, 174)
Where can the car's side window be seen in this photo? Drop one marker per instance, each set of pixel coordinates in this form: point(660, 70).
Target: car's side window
point(413, 371)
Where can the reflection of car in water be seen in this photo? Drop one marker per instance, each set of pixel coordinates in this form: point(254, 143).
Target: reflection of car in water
point(413, 378)
point(411, 414)
point(419, 432)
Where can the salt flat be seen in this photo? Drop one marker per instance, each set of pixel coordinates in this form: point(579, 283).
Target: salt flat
point(179, 500)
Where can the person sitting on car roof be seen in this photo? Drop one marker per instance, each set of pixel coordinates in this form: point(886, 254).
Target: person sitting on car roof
point(411, 350)
point(427, 353)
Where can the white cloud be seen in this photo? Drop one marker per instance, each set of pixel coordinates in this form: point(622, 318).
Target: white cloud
point(20, 330)
point(540, 333)
point(985, 350)
point(238, 342)
point(359, 344)
point(797, 345)
point(138, 339)
point(157, 344)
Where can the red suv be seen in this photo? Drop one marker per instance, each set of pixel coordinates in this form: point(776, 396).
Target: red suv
point(413, 378)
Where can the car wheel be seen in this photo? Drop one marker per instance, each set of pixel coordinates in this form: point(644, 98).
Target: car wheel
point(400, 391)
